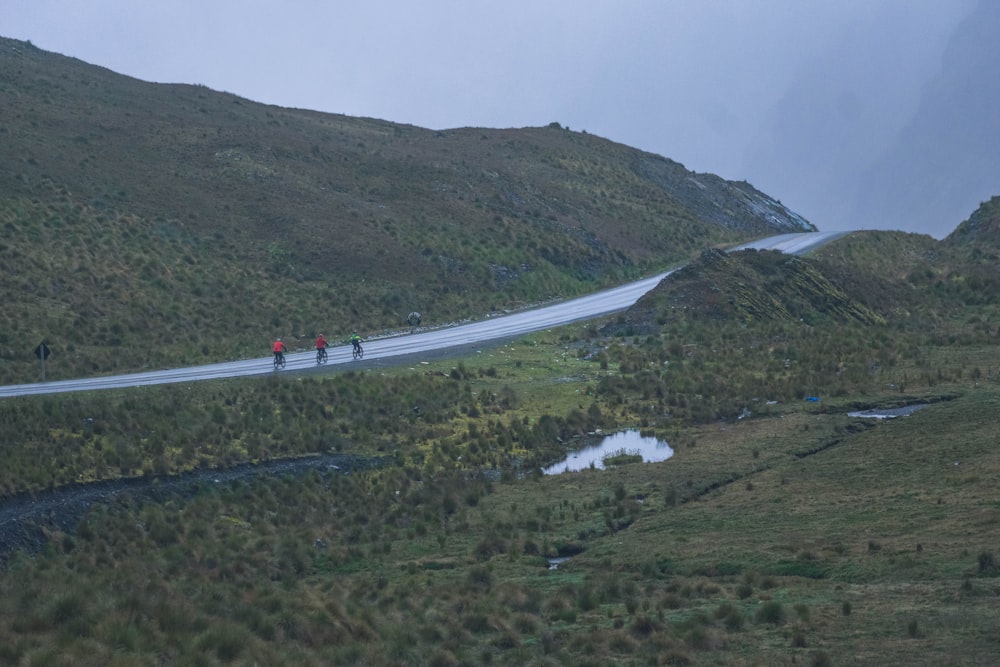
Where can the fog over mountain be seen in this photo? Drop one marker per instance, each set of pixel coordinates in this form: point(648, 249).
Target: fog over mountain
point(947, 157)
point(909, 142)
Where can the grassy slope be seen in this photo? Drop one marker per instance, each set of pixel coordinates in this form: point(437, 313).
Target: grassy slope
point(862, 542)
point(148, 225)
point(799, 535)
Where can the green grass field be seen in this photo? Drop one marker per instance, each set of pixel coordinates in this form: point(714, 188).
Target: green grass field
point(796, 536)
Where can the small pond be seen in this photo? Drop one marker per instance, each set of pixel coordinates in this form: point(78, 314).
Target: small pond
point(629, 442)
point(888, 413)
point(554, 563)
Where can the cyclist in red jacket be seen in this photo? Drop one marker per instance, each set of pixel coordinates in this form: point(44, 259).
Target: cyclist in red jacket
point(320, 348)
point(279, 351)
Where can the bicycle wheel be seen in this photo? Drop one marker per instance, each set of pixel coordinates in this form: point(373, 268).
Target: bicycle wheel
point(359, 352)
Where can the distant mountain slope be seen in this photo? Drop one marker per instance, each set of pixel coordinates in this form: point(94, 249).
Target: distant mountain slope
point(150, 222)
point(982, 229)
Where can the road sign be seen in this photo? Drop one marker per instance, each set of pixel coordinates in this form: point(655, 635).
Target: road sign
point(42, 351)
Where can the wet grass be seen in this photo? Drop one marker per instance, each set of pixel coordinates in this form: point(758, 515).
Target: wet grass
point(795, 534)
point(781, 531)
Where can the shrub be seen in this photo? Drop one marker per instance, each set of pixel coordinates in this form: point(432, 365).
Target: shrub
point(772, 612)
point(987, 565)
point(821, 659)
point(479, 578)
point(730, 616)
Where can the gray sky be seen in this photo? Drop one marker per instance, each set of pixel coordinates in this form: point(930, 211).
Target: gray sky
point(756, 90)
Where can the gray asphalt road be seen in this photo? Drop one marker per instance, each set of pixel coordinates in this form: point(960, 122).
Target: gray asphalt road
point(403, 348)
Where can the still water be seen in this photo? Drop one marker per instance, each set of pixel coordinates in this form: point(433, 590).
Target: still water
point(889, 413)
point(631, 442)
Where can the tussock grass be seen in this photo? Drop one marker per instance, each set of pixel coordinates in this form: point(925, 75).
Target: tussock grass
point(682, 559)
point(151, 225)
point(782, 531)
point(666, 559)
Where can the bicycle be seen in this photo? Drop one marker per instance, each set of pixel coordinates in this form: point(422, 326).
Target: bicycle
point(321, 355)
point(279, 361)
point(359, 351)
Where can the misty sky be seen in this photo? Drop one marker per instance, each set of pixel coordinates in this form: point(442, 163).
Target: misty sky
point(747, 89)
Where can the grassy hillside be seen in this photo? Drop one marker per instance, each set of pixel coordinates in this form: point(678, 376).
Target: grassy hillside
point(747, 286)
point(782, 531)
point(147, 225)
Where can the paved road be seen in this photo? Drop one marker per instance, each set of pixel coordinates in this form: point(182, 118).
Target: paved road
point(403, 348)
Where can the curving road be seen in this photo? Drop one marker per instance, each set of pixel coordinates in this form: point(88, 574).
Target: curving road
point(401, 349)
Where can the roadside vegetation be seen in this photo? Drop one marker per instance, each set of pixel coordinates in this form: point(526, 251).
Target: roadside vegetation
point(782, 531)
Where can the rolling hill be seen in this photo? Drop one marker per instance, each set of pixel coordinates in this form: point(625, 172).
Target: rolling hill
point(746, 286)
point(868, 278)
point(151, 224)
point(784, 528)
point(140, 227)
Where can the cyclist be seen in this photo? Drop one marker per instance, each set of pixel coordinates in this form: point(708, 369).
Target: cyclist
point(356, 342)
point(321, 347)
point(279, 351)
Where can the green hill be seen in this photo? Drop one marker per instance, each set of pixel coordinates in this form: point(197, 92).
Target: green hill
point(785, 529)
point(747, 286)
point(147, 224)
point(982, 227)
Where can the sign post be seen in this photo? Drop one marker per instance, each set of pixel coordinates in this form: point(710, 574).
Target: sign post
point(43, 352)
